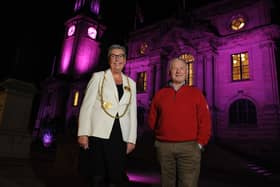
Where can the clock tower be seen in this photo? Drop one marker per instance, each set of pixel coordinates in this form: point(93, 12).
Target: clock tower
point(81, 48)
point(62, 92)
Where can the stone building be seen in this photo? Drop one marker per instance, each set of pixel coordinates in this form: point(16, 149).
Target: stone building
point(232, 52)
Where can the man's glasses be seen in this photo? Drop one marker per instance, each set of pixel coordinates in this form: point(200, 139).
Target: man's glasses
point(121, 56)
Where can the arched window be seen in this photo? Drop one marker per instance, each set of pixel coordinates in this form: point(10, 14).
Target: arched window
point(242, 113)
point(189, 59)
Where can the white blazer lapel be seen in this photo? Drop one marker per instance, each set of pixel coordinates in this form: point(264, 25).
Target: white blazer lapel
point(126, 90)
point(112, 86)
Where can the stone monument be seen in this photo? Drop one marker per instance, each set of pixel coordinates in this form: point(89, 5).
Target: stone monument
point(16, 98)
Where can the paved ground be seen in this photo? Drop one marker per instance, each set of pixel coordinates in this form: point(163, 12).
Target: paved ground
point(220, 168)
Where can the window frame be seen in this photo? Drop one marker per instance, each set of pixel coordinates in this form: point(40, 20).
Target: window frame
point(242, 71)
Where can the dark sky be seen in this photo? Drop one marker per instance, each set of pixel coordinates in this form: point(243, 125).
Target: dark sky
point(33, 31)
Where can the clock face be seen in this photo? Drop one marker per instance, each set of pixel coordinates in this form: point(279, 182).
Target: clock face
point(238, 23)
point(71, 30)
point(92, 32)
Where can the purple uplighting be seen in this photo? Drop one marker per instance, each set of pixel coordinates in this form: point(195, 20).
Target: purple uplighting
point(47, 138)
point(66, 56)
point(95, 7)
point(87, 55)
point(147, 178)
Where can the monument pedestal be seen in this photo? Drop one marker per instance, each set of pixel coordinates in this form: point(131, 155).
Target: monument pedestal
point(15, 143)
point(16, 99)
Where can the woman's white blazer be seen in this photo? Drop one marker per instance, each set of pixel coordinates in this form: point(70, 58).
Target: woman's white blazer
point(94, 121)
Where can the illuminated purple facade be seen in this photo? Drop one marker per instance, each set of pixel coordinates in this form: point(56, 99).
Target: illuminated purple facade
point(232, 53)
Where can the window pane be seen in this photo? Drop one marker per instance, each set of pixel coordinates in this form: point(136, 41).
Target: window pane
point(240, 66)
point(236, 73)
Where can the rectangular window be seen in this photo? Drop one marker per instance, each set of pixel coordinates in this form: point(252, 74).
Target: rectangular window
point(240, 66)
point(76, 98)
point(141, 82)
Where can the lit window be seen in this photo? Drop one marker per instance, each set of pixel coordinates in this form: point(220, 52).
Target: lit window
point(76, 98)
point(240, 66)
point(141, 82)
point(143, 48)
point(189, 59)
point(237, 23)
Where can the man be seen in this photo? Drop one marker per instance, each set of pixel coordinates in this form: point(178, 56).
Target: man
point(180, 117)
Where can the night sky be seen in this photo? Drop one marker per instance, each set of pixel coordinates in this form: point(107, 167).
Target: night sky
point(33, 31)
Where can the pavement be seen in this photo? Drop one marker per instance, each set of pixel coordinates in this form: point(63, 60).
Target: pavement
point(219, 168)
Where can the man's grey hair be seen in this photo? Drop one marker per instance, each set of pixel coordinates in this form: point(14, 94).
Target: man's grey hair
point(171, 61)
point(116, 46)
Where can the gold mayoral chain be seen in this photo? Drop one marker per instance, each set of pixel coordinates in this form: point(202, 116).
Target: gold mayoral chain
point(106, 105)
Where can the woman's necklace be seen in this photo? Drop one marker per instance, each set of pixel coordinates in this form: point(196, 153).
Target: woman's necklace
point(105, 105)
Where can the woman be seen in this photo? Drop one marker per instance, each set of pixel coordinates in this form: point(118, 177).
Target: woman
point(108, 121)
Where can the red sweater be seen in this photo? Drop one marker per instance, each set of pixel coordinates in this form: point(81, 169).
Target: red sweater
point(181, 115)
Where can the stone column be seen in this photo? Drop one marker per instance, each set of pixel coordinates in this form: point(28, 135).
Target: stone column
point(209, 79)
point(198, 69)
point(270, 74)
